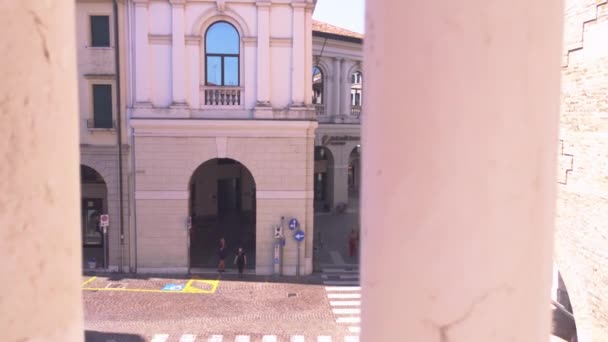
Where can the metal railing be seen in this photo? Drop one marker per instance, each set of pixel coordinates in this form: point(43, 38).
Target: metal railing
point(355, 111)
point(97, 124)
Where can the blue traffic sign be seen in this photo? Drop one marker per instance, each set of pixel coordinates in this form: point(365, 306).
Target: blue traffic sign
point(293, 224)
point(298, 235)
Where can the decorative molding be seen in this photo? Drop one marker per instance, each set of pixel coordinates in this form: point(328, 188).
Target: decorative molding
point(281, 42)
point(221, 5)
point(250, 41)
point(299, 5)
point(224, 128)
point(263, 4)
point(177, 3)
point(160, 39)
point(141, 3)
point(100, 76)
point(193, 40)
point(274, 194)
point(161, 195)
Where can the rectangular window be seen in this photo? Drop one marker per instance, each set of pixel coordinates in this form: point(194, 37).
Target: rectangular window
point(100, 31)
point(102, 106)
point(231, 71)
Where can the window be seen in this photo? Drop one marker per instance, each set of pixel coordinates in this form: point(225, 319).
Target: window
point(356, 89)
point(102, 106)
point(317, 86)
point(222, 46)
point(100, 31)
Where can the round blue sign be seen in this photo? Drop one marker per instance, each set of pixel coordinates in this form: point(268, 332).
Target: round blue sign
point(298, 235)
point(293, 224)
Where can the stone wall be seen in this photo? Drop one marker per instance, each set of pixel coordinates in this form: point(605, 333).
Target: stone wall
point(582, 222)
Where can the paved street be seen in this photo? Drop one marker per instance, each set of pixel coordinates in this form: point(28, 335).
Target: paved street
point(322, 307)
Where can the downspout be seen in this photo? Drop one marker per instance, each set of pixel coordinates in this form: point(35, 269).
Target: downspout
point(119, 134)
point(132, 173)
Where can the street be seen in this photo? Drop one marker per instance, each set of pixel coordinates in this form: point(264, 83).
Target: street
point(322, 307)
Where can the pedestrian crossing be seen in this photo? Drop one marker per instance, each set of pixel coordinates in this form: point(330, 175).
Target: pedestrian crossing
point(344, 295)
point(247, 338)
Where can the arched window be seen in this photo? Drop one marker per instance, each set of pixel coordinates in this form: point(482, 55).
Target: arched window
point(222, 49)
point(356, 89)
point(317, 85)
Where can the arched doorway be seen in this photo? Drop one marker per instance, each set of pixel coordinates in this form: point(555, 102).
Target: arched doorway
point(94, 192)
point(222, 205)
point(323, 179)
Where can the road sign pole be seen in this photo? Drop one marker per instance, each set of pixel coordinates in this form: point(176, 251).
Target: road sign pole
point(298, 265)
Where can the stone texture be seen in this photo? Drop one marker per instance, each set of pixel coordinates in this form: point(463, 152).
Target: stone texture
point(582, 220)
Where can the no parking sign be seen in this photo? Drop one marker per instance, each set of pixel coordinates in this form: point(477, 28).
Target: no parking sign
point(104, 220)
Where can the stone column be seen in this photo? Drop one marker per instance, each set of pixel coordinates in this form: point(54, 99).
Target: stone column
point(40, 244)
point(142, 84)
point(263, 74)
point(459, 188)
point(298, 55)
point(308, 71)
point(178, 53)
point(337, 93)
point(339, 183)
point(345, 89)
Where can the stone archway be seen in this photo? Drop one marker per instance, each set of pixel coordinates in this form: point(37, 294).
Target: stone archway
point(222, 204)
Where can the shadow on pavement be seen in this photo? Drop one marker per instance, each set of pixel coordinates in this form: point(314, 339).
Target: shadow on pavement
point(97, 336)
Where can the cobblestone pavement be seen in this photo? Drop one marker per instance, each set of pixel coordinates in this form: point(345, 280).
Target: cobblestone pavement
point(135, 308)
point(254, 309)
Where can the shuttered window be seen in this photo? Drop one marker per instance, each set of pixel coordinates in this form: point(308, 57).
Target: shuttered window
point(102, 106)
point(100, 30)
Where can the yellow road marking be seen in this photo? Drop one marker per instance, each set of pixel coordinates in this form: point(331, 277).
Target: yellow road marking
point(188, 289)
point(89, 280)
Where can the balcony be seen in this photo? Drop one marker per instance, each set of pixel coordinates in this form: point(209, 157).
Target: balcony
point(355, 111)
point(225, 97)
point(101, 125)
point(319, 109)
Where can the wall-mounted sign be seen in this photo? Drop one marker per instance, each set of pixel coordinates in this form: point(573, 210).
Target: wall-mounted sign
point(338, 140)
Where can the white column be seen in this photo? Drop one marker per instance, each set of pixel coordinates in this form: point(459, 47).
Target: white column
point(458, 226)
point(40, 245)
point(142, 84)
point(336, 94)
point(263, 74)
point(345, 89)
point(308, 71)
point(339, 184)
point(193, 74)
point(178, 56)
point(298, 58)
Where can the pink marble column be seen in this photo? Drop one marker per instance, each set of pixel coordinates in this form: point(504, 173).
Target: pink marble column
point(40, 245)
point(459, 169)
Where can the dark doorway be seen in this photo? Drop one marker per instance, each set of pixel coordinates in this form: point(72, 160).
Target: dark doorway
point(94, 204)
point(222, 205)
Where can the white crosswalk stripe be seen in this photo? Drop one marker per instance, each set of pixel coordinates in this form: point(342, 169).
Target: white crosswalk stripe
point(344, 294)
point(159, 338)
point(187, 338)
point(265, 338)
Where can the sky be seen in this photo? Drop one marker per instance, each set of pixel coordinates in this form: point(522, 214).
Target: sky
point(348, 14)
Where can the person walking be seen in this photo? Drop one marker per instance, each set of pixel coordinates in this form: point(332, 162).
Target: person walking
point(353, 239)
point(240, 261)
point(221, 254)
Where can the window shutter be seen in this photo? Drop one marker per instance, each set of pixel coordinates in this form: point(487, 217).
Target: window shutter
point(102, 105)
point(100, 30)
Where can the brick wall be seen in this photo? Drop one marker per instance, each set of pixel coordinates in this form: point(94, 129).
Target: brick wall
point(582, 223)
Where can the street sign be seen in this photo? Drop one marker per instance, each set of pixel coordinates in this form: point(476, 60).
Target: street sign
point(104, 220)
point(173, 287)
point(298, 235)
point(293, 224)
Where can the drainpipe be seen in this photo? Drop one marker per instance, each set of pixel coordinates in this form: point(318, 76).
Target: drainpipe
point(119, 133)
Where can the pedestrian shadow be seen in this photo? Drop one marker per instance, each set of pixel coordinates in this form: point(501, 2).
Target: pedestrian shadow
point(98, 336)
